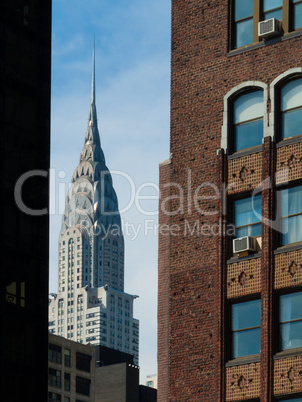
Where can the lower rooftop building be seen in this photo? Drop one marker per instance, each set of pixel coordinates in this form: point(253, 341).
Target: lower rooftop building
point(87, 373)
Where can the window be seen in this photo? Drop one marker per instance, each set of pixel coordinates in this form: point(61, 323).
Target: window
point(66, 381)
point(291, 215)
point(291, 321)
point(272, 9)
point(55, 353)
point(246, 321)
point(83, 362)
point(243, 22)
point(248, 113)
point(246, 14)
point(247, 213)
point(292, 399)
point(82, 386)
point(52, 397)
point(291, 108)
point(297, 14)
point(67, 358)
point(54, 377)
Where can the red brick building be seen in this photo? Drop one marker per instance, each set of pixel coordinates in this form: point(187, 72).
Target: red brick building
point(230, 323)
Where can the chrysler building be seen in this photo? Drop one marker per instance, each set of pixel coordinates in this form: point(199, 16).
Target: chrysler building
point(91, 305)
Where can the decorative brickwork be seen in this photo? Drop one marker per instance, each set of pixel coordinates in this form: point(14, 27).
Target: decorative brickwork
point(289, 163)
point(288, 375)
point(244, 278)
point(288, 269)
point(243, 382)
point(244, 173)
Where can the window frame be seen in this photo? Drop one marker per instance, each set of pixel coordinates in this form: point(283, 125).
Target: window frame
point(230, 343)
point(280, 112)
point(279, 337)
point(232, 133)
point(227, 129)
point(280, 218)
point(258, 16)
point(232, 210)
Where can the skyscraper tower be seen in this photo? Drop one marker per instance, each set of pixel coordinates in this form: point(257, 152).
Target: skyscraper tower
point(91, 305)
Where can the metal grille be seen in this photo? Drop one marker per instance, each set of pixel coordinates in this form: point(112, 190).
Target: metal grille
point(267, 26)
point(240, 244)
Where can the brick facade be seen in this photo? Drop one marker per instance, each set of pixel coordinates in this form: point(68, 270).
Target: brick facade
point(197, 279)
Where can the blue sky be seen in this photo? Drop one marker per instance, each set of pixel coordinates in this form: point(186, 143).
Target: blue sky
point(132, 41)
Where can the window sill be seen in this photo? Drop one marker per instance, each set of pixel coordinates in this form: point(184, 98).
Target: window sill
point(253, 46)
point(288, 353)
point(289, 141)
point(232, 260)
point(243, 360)
point(245, 152)
point(288, 247)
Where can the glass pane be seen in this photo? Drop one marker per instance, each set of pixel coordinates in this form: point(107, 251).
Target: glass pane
point(243, 9)
point(244, 211)
point(291, 95)
point(246, 315)
point(270, 4)
point(274, 14)
point(246, 343)
point(298, 16)
point(291, 335)
point(251, 230)
point(244, 33)
point(248, 107)
point(292, 400)
point(292, 123)
point(248, 134)
point(291, 307)
point(291, 201)
point(292, 229)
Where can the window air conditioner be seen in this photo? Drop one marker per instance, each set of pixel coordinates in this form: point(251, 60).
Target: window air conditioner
point(246, 243)
point(268, 28)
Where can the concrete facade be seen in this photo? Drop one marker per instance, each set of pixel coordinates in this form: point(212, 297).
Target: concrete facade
point(65, 374)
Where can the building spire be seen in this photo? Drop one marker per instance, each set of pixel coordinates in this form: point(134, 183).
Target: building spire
point(93, 73)
point(92, 135)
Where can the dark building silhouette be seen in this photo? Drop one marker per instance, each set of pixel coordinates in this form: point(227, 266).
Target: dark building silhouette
point(230, 279)
point(25, 49)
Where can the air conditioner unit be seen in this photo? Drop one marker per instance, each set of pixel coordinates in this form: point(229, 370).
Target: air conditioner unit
point(268, 28)
point(246, 243)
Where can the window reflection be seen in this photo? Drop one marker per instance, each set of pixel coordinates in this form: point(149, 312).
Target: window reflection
point(272, 9)
point(291, 108)
point(291, 321)
point(246, 213)
point(243, 22)
point(297, 14)
point(248, 120)
point(291, 214)
point(246, 332)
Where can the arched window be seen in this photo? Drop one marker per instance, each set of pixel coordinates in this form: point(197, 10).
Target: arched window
point(291, 109)
point(248, 113)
